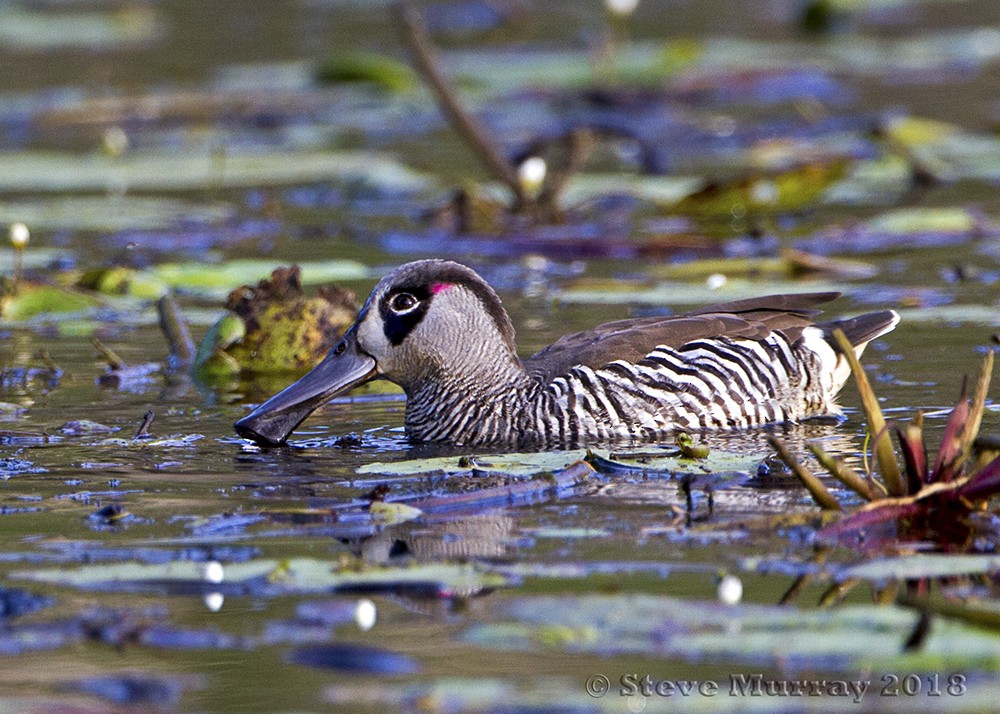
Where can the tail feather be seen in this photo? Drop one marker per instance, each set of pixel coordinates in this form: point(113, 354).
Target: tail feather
point(859, 331)
point(862, 329)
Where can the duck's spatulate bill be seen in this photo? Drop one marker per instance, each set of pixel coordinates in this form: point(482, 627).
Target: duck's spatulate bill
point(344, 367)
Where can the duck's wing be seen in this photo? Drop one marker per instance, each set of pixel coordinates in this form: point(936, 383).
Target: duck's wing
point(631, 340)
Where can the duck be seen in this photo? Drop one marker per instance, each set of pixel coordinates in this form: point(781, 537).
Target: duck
point(439, 330)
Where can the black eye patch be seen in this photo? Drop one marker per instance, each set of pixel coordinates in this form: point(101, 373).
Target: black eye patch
point(396, 327)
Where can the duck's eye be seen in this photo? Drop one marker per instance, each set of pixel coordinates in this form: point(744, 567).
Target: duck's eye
point(402, 302)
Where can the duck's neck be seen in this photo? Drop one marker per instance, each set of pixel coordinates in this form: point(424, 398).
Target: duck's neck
point(477, 401)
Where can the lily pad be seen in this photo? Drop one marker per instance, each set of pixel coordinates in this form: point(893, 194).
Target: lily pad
point(111, 213)
point(55, 172)
point(621, 292)
point(268, 577)
point(515, 464)
point(119, 280)
point(32, 300)
point(945, 151)
point(938, 314)
point(380, 70)
point(26, 29)
point(855, 637)
point(921, 565)
point(218, 280)
point(530, 464)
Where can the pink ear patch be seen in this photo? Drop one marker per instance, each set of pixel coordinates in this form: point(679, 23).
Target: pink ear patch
point(440, 287)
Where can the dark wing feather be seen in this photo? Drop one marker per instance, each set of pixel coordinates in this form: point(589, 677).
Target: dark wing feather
point(632, 340)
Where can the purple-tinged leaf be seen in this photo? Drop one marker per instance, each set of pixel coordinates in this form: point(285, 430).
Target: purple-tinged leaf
point(856, 524)
point(911, 443)
point(983, 484)
point(949, 455)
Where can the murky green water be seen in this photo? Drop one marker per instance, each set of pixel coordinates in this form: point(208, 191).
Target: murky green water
point(458, 639)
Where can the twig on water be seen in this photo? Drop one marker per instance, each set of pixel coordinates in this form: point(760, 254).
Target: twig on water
point(110, 356)
point(147, 420)
point(176, 331)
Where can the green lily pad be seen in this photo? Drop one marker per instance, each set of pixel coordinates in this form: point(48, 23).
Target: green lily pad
point(392, 513)
point(854, 637)
point(944, 150)
point(297, 575)
point(659, 190)
point(530, 464)
point(217, 280)
point(937, 314)
point(34, 300)
point(55, 172)
point(621, 292)
point(952, 220)
point(35, 30)
point(119, 280)
point(510, 464)
point(212, 358)
point(921, 565)
point(376, 69)
point(791, 190)
point(110, 213)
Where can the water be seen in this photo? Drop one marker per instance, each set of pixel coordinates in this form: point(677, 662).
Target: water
point(193, 493)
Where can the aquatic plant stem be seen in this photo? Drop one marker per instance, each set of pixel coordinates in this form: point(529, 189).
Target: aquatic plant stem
point(110, 356)
point(821, 495)
point(468, 127)
point(887, 464)
point(18, 266)
point(842, 473)
point(175, 329)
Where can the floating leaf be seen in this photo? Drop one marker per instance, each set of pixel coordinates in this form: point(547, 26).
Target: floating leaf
point(26, 29)
point(516, 464)
point(268, 577)
point(620, 292)
point(46, 171)
point(848, 637)
point(392, 513)
point(218, 280)
point(376, 69)
point(921, 565)
point(943, 150)
point(790, 264)
point(123, 281)
point(959, 314)
point(32, 300)
point(112, 213)
point(661, 190)
point(790, 190)
point(671, 461)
